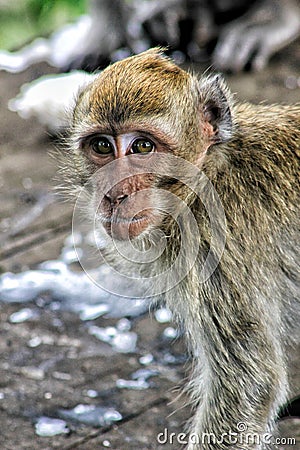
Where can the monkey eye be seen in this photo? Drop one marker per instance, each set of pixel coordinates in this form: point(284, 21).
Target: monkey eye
point(142, 146)
point(102, 146)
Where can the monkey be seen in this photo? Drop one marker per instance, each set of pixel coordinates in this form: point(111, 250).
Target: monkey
point(235, 34)
point(170, 160)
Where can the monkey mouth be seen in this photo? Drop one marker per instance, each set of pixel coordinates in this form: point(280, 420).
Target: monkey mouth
point(121, 220)
point(123, 228)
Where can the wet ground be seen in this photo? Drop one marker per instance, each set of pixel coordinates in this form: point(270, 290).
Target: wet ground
point(50, 361)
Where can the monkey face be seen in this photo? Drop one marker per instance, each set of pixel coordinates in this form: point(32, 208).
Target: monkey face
point(122, 197)
point(139, 107)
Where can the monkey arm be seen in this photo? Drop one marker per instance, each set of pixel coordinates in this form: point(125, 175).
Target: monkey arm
point(228, 374)
point(268, 26)
point(241, 406)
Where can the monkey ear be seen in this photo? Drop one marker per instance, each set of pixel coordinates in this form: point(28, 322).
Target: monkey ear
point(216, 101)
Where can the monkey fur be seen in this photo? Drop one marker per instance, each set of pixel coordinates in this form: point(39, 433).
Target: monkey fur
point(240, 320)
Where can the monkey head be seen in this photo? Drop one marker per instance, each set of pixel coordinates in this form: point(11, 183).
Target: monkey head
point(135, 111)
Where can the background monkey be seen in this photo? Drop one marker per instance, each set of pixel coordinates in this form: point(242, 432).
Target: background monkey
point(238, 321)
point(237, 34)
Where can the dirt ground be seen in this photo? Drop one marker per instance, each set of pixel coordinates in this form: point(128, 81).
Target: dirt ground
point(67, 364)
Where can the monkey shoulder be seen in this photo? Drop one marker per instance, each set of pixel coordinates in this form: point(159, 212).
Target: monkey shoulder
point(264, 139)
point(263, 123)
point(256, 173)
point(265, 134)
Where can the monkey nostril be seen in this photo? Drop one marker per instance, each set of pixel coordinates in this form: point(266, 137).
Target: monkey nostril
point(120, 199)
point(115, 200)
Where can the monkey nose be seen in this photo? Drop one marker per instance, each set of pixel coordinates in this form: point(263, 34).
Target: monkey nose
point(115, 200)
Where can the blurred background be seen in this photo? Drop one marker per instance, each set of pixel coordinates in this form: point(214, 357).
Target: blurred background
point(233, 35)
point(23, 20)
point(79, 369)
